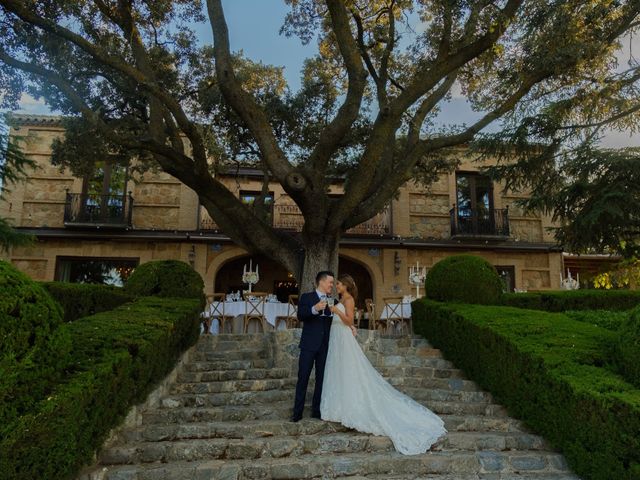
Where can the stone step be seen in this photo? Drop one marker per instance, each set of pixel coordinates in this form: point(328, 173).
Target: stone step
point(229, 375)
point(283, 409)
point(283, 446)
point(409, 361)
point(473, 476)
point(228, 356)
point(217, 386)
point(308, 426)
point(222, 365)
point(234, 385)
point(269, 396)
point(241, 370)
point(424, 372)
point(425, 351)
point(236, 338)
point(452, 463)
point(401, 383)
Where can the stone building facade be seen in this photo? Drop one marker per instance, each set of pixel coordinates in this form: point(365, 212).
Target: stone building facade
point(115, 220)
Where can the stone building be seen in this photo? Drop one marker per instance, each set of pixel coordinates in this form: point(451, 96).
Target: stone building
point(107, 223)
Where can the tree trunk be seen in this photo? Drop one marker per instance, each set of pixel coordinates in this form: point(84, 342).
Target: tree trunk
point(319, 254)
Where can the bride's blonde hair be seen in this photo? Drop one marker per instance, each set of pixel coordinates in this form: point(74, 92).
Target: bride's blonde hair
point(347, 281)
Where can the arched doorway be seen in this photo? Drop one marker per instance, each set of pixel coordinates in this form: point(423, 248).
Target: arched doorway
point(273, 277)
point(360, 275)
point(276, 279)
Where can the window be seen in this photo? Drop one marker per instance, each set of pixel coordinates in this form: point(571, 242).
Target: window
point(109, 177)
point(249, 198)
point(104, 194)
point(108, 271)
point(474, 192)
point(508, 275)
point(474, 213)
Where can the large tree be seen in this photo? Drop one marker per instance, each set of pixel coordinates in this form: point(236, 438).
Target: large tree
point(136, 73)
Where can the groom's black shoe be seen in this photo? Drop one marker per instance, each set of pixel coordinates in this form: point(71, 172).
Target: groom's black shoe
point(296, 418)
point(316, 415)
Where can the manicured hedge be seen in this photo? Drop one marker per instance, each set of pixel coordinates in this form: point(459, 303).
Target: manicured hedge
point(83, 299)
point(561, 300)
point(464, 278)
point(627, 349)
point(550, 371)
point(118, 358)
point(611, 320)
point(34, 350)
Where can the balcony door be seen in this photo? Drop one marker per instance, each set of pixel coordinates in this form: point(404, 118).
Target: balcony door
point(474, 198)
point(104, 192)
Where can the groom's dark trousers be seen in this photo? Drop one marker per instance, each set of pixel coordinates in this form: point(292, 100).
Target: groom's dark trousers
point(314, 344)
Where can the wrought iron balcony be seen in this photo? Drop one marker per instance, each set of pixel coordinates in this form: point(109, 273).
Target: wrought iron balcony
point(467, 222)
point(288, 217)
point(92, 210)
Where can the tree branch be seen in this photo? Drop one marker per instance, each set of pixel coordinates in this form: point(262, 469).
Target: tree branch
point(245, 105)
point(333, 134)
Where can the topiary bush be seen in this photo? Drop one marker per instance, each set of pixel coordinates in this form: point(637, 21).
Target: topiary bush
point(33, 349)
point(628, 348)
point(166, 278)
point(465, 279)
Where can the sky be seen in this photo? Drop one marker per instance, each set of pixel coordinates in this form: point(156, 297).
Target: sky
point(253, 28)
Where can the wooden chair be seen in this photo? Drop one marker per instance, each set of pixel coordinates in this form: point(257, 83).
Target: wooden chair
point(291, 319)
point(254, 310)
point(357, 317)
point(215, 309)
point(395, 318)
point(371, 313)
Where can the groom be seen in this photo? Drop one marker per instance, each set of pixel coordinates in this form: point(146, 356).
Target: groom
point(316, 317)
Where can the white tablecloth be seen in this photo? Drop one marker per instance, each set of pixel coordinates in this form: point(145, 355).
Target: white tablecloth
point(272, 310)
point(405, 309)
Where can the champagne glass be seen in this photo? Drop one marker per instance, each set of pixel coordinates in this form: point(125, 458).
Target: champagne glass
point(330, 300)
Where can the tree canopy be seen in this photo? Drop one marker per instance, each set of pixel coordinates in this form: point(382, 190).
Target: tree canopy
point(13, 169)
point(139, 78)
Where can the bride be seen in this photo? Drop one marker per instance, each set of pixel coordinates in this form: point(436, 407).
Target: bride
point(355, 394)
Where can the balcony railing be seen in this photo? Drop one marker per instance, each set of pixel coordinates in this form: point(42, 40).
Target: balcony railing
point(288, 217)
point(479, 223)
point(98, 210)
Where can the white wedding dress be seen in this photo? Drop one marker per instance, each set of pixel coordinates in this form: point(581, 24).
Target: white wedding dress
point(355, 394)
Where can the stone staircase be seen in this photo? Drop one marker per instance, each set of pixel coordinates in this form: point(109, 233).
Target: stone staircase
point(225, 415)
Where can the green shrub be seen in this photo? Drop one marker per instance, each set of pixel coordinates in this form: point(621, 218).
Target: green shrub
point(628, 348)
point(550, 371)
point(83, 299)
point(603, 318)
point(562, 300)
point(28, 314)
point(166, 278)
point(119, 358)
point(34, 351)
point(464, 278)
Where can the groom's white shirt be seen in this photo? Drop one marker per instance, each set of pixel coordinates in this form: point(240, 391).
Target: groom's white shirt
point(313, 307)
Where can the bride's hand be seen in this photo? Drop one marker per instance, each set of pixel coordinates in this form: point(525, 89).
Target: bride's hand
point(354, 330)
point(333, 309)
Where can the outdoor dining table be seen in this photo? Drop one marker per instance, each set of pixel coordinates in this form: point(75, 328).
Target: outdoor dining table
point(272, 310)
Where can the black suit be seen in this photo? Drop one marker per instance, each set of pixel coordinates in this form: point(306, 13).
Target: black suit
point(314, 344)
